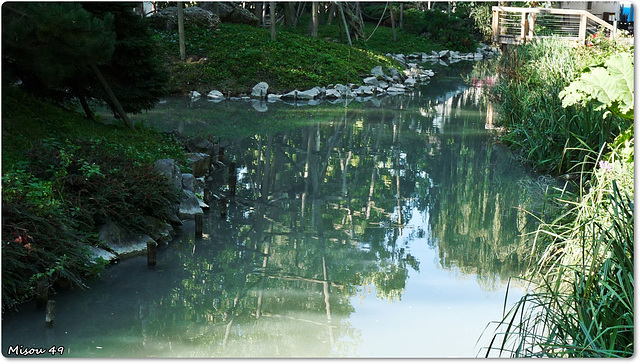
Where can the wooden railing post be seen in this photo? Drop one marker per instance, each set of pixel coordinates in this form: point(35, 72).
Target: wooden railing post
point(523, 27)
point(582, 31)
point(495, 26)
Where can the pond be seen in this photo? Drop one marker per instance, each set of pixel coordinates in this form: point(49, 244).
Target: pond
point(382, 228)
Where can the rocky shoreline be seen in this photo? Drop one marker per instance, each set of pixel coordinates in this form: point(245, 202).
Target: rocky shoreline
point(378, 83)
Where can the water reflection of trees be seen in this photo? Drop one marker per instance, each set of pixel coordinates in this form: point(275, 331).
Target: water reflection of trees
point(322, 211)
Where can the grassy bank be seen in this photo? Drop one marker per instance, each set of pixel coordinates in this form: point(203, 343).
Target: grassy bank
point(236, 57)
point(582, 256)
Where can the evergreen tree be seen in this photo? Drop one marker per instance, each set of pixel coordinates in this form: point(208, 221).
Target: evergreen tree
point(95, 50)
point(48, 45)
point(135, 73)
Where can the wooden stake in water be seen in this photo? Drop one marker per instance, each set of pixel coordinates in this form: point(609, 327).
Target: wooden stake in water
point(232, 178)
point(152, 253)
point(198, 220)
point(51, 313)
point(221, 154)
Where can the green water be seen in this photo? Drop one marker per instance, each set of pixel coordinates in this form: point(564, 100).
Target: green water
point(383, 229)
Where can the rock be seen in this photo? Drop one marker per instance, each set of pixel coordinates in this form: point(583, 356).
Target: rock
point(290, 95)
point(395, 90)
point(443, 54)
point(260, 89)
point(122, 241)
point(333, 94)
point(232, 13)
point(187, 181)
point(215, 94)
point(371, 81)
point(170, 170)
point(189, 205)
point(97, 253)
point(167, 19)
point(159, 230)
point(200, 163)
point(364, 90)
point(410, 81)
point(194, 95)
point(309, 94)
point(198, 144)
point(377, 71)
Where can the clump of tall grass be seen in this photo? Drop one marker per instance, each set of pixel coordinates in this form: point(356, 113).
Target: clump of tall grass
point(583, 301)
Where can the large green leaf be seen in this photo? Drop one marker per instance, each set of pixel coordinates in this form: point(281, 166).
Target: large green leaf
point(609, 87)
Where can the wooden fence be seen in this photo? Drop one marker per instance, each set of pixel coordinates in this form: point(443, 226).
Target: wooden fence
point(513, 25)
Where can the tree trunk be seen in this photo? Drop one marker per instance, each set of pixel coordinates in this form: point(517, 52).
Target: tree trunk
point(183, 53)
point(272, 15)
point(332, 13)
point(112, 97)
point(77, 89)
point(393, 23)
point(344, 21)
point(289, 14)
point(313, 23)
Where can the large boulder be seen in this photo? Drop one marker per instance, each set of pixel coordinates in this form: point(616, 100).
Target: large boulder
point(200, 163)
point(121, 241)
point(189, 205)
point(260, 89)
point(170, 170)
point(232, 13)
point(167, 19)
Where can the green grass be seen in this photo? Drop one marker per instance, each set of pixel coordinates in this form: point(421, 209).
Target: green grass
point(239, 56)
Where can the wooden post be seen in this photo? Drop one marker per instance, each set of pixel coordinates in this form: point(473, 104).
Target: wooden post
point(523, 27)
point(221, 154)
point(198, 220)
point(152, 253)
point(42, 292)
point(495, 25)
point(206, 197)
point(51, 313)
point(223, 207)
point(582, 32)
point(232, 179)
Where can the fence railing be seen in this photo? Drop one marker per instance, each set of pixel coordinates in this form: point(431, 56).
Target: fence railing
point(513, 25)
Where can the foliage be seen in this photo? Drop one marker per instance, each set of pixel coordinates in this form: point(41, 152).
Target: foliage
point(38, 236)
point(548, 136)
point(136, 72)
point(482, 14)
point(63, 175)
point(584, 302)
point(47, 45)
point(609, 87)
point(49, 48)
point(582, 261)
point(448, 30)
